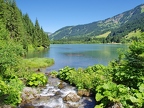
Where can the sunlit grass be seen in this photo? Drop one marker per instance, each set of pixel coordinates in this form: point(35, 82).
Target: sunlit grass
point(103, 35)
point(38, 62)
point(136, 33)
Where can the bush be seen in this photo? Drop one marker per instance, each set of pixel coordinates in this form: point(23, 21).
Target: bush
point(36, 79)
point(10, 92)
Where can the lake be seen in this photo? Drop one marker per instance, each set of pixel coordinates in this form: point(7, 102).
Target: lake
point(80, 55)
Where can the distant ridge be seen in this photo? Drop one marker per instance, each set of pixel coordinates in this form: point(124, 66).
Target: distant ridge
point(99, 27)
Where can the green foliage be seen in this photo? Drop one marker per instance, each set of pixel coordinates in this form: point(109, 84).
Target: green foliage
point(36, 79)
point(17, 33)
point(129, 71)
point(112, 93)
point(38, 62)
point(54, 74)
point(121, 83)
point(10, 91)
point(64, 73)
point(134, 24)
point(87, 78)
point(19, 28)
point(3, 32)
point(9, 55)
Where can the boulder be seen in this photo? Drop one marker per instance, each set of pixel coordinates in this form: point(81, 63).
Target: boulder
point(29, 94)
point(114, 105)
point(61, 85)
point(83, 92)
point(73, 97)
point(73, 105)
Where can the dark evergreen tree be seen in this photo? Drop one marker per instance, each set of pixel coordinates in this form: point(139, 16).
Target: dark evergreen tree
point(17, 23)
point(29, 27)
point(45, 39)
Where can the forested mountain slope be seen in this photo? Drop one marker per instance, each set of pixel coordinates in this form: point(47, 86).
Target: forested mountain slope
point(18, 27)
point(100, 27)
point(135, 23)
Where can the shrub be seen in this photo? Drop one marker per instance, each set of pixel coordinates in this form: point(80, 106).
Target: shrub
point(10, 92)
point(36, 79)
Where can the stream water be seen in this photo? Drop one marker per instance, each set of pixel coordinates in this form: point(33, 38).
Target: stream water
point(53, 97)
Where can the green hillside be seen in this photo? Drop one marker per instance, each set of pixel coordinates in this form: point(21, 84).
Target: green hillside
point(115, 23)
point(135, 23)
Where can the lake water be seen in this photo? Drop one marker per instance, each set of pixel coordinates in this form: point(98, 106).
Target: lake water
point(80, 55)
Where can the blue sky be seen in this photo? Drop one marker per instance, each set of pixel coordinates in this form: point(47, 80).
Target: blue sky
point(55, 14)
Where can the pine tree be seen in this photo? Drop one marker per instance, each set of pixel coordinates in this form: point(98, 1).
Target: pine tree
point(37, 35)
point(29, 27)
point(4, 35)
point(17, 23)
point(45, 39)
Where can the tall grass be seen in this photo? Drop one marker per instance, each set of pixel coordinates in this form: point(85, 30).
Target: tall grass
point(38, 62)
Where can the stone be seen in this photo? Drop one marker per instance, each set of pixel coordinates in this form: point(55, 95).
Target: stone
point(6, 106)
point(29, 94)
point(61, 85)
point(76, 105)
point(73, 97)
point(115, 105)
point(83, 92)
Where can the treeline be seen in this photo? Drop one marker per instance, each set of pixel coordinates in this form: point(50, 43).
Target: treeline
point(18, 27)
point(133, 24)
point(79, 40)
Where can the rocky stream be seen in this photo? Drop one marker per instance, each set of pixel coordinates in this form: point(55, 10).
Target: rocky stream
point(57, 94)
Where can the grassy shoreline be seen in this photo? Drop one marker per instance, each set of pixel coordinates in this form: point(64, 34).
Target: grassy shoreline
point(38, 62)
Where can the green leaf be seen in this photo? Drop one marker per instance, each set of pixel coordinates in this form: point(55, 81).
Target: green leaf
point(106, 86)
point(141, 88)
point(30, 83)
point(99, 106)
point(139, 95)
point(99, 96)
point(133, 99)
point(107, 93)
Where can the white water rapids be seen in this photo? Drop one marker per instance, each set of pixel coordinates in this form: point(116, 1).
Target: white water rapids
point(53, 97)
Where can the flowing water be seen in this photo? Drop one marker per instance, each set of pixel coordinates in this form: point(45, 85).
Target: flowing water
point(53, 97)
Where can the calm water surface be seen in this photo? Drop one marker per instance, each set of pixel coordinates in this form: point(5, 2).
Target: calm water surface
point(80, 55)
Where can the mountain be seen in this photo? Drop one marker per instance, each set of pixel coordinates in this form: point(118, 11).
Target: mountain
point(134, 24)
point(99, 27)
point(48, 33)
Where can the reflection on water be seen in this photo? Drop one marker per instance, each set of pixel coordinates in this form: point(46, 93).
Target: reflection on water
point(40, 54)
point(73, 54)
point(79, 55)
